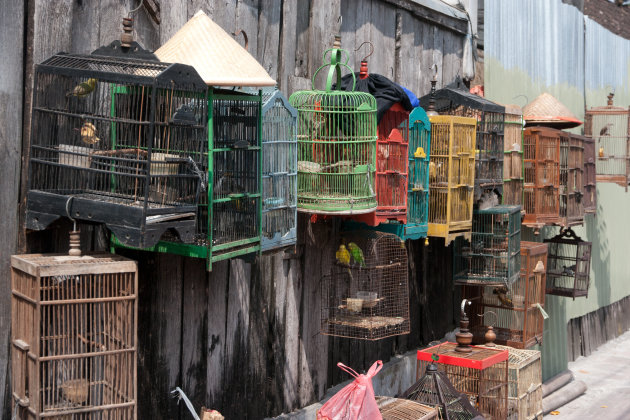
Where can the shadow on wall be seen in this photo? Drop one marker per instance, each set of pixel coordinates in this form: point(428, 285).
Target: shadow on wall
point(596, 231)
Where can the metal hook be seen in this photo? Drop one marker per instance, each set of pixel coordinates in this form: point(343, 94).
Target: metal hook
point(136, 9)
point(496, 317)
point(240, 31)
point(434, 65)
point(371, 50)
point(340, 20)
point(74, 221)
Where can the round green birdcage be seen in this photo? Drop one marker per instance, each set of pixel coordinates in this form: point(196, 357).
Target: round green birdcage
point(336, 145)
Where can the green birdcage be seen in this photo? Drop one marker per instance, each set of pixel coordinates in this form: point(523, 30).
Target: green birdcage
point(336, 145)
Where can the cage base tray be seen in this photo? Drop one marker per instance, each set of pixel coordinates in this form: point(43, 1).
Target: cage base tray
point(366, 322)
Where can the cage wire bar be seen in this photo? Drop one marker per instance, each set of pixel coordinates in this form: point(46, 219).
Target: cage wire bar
point(513, 156)
point(119, 141)
point(74, 336)
point(569, 265)
point(589, 201)
point(481, 374)
point(367, 296)
point(541, 154)
point(609, 126)
point(451, 176)
point(571, 189)
point(514, 311)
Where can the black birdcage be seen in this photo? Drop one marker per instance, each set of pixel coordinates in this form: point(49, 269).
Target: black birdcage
point(568, 265)
point(117, 140)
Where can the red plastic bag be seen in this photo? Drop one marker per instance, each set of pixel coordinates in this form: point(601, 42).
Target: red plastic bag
point(356, 400)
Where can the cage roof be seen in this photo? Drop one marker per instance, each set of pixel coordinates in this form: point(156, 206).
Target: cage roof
point(219, 59)
point(455, 95)
point(546, 110)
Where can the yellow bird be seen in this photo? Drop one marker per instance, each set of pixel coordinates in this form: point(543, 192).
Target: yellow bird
point(83, 88)
point(342, 255)
point(88, 133)
point(601, 152)
point(419, 154)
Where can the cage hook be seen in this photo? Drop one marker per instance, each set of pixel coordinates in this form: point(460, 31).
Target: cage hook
point(240, 31)
point(136, 9)
point(371, 49)
point(75, 234)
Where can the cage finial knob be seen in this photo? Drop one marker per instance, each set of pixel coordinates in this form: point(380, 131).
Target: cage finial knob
point(126, 38)
point(431, 108)
point(610, 98)
point(464, 336)
point(75, 243)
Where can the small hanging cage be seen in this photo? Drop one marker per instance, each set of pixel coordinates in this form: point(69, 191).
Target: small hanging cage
point(366, 295)
point(74, 336)
point(515, 311)
point(568, 265)
point(589, 200)
point(493, 254)
point(513, 156)
point(481, 374)
point(541, 154)
point(435, 390)
point(401, 409)
point(279, 172)
point(571, 189)
point(455, 99)
point(451, 176)
point(336, 146)
point(117, 138)
point(610, 127)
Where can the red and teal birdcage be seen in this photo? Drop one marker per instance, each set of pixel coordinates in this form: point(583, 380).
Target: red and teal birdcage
point(336, 145)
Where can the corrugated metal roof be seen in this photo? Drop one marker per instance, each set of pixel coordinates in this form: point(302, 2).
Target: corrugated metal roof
point(608, 55)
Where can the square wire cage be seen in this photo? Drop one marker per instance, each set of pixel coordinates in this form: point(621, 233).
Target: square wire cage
point(513, 156)
point(119, 141)
point(514, 311)
point(402, 409)
point(74, 336)
point(366, 295)
point(568, 265)
point(481, 374)
point(451, 176)
point(571, 189)
point(493, 255)
point(279, 172)
point(610, 127)
point(589, 200)
point(541, 154)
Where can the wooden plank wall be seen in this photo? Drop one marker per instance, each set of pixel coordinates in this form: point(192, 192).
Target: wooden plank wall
point(245, 338)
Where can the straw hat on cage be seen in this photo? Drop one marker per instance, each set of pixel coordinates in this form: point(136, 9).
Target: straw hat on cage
point(547, 111)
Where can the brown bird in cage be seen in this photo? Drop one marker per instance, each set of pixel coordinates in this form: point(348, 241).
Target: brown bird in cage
point(88, 133)
point(606, 130)
point(501, 292)
point(75, 390)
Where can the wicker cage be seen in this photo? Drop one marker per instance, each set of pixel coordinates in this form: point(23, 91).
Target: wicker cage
point(451, 176)
point(481, 374)
point(117, 140)
point(571, 190)
point(366, 295)
point(513, 156)
point(401, 409)
point(589, 200)
point(74, 336)
point(541, 154)
point(568, 265)
point(610, 127)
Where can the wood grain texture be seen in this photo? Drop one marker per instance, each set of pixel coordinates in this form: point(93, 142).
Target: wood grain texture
point(217, 305)
point(268, 47)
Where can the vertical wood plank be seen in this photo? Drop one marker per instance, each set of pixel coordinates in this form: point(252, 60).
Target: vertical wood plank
point(349, 12)
point(288, 44)
point(247, 20)
point(438, 48)
point(324, 25)
point(222, 12)
point(302, 31)
point(86, 22)
point(382, 34)
point(217, 307)
point(291, 334)
point(172, 18)
point(427, 45)
point(269, 36)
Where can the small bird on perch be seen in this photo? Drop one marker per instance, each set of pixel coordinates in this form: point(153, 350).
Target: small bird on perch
point(501, 292)
point(88, 133)
point(569, 271)
point(83, 89)
point(601, 152)
point(342, 255)
point(357, 254)
point(606, 130)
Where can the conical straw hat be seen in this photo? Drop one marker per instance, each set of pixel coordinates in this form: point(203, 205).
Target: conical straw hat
point(217, 57)
point(547, 111)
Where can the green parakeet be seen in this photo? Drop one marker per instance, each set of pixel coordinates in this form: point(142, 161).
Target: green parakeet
point(357, 254)
point(83, 88)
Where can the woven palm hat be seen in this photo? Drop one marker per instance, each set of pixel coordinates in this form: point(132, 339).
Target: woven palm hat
point(547, 111)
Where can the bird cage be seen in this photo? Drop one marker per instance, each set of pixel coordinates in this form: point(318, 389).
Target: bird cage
point(493, 255)
point(279, 171)
point(541, 154)
point(435, 390)
point(513, 156)
point(457, 100)
point(366, 294)
point(571, 189)
point(74, 336)
point(481, 374)
point(610, 127)
point(117, 140)
point(589, 200)
point(401, 409)
point(451, 176)
point(568, 265)
point(515, 311)
point(392, 147)
point(336, 135)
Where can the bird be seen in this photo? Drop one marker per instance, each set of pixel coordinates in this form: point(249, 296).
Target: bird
point(419, 153)
point(342, 255)
point(83, 89)
point(501, 292)
point(601, 152)
point(433, 169)
point(606, 130)
point(357, 254)
point(88, 133)
point(568, 270)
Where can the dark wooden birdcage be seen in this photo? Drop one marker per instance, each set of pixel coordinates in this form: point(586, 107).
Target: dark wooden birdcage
point(481, 374)
point(589, 200)
point(402, 409)
point(451, 176)
point(366, 294)
point(279, 172)
point(541, 155)
point(610, 127)
point(513, 156)
point(119, 141)
point(571, 190)
point(492, 257)
point(515, 311)
point(74, 336)
point(568, 265)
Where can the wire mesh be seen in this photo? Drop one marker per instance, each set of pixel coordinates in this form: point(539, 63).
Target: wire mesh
point(571, 190)
point(401, 409)
point(74, 328)
point(366, 295)
point(569, 265)
point(513, 156)
point(589, 201)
